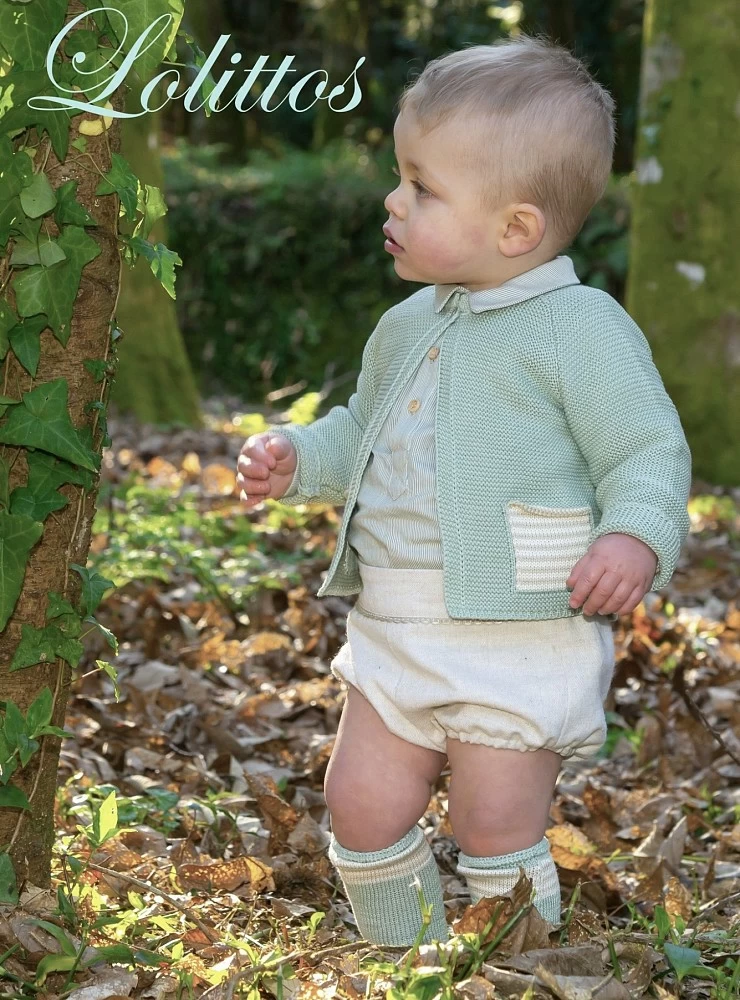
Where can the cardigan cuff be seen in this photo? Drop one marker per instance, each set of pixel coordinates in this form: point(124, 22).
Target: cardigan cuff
point(306, 482)
point(650, 526)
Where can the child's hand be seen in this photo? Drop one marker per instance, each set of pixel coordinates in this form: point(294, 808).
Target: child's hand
point(616, 572)
point(266, 465)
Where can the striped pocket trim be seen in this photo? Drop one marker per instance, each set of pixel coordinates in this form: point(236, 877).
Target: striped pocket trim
point(547, 542)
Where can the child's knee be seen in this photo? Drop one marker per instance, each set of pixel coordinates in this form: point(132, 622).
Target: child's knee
point(363, 818)
point(490, 830)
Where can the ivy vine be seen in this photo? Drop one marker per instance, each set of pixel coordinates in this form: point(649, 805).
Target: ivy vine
point(44, 273)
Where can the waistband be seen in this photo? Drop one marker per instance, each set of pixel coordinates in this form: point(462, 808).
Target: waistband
point(408, 593)
point(417, 595)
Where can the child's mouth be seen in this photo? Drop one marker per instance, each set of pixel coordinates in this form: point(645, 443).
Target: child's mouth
point(390, 243)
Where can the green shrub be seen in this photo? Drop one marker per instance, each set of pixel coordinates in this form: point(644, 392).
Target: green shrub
point(284, 268)
point(285, 275)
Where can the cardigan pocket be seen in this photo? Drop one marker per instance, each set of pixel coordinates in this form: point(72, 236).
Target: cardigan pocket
point(547, 543)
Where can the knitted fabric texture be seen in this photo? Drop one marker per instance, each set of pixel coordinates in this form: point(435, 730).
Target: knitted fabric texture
point(381, 890)
point(497, 876)
point(552, 428)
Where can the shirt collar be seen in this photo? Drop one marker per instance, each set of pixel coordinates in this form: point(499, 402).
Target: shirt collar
point(544, 278)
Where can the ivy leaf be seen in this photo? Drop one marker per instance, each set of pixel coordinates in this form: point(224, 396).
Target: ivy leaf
point(199, 59)
point(6, 401)
point(44, 645)
point(16, 169)
point(25, 339)
point(10, 213)
point(16, 87)
point(4, 479)
point(8, 320)
point(24, 501)
point(152, 206)
point(39, 497)
point(93, 587)
point(18, 535)
point(52, 290)
point(99, 367)
point(45, 251)
point(39, 712)
point(122, 181)
point(42, 421)
point(27, 30)
point(13, 798)
point(141, 14)
point(111, 672)
point(8, 889)
point(109, 636)
point(37, 197)
point(161, 260)
point(58, 606)
point(69, 211)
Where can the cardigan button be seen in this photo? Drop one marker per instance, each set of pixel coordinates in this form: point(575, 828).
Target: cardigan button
point(414, 405)
point(433, 353)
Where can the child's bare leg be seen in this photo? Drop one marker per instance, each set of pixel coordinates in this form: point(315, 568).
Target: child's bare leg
point(377, 788)
point(499, 802)
point(377, 785)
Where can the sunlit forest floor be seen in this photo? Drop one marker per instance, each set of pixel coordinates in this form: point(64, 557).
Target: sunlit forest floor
point(215, 738)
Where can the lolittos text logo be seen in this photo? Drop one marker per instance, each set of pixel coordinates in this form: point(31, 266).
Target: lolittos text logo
point(145, 41)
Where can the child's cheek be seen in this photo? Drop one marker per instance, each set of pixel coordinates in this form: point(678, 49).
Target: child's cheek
point(442, 250)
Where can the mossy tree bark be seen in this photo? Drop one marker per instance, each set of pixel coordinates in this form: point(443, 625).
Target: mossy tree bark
point(155, 380)
point(28, 835)
point(683, 285)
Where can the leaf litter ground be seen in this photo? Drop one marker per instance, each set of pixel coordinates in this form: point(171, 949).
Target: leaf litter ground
point(217, 744)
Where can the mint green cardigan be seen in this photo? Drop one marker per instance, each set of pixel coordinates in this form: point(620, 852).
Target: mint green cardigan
point(552, 428)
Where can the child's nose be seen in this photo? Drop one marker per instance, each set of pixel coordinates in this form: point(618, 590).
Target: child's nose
point(393, 203)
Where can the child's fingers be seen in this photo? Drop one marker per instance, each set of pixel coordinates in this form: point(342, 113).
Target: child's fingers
point(250, 501)
point(632, 601)
point(278, 447)
point(601, 592)
point(252, 466)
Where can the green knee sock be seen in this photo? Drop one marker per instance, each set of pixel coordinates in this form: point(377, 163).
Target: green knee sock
point(381, 890)
point(497, 875)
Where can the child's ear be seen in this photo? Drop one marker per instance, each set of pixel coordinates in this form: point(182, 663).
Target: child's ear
point(525, 230)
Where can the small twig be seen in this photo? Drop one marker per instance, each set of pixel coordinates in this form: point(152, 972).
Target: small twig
point(679, 685)
point(209, 932)
point(643, 938)
point(714, 905)
point(230, 985)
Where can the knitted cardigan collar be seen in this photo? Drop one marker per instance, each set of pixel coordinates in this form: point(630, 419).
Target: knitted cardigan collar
point(544, 278)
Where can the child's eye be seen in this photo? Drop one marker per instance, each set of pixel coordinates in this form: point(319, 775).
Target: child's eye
point(420, 189)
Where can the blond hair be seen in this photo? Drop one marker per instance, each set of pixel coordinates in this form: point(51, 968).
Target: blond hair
point(548, 126)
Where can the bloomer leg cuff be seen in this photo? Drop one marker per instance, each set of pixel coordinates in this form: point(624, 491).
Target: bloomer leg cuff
point(497, 875)
point(380, 886)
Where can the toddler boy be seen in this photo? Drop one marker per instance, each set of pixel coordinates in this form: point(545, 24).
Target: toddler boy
point(514, 476)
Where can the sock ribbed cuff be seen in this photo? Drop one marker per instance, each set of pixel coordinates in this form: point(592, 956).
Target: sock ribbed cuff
point(497, 875)
point(381, 889)
point(366, 859)
point(538, 851)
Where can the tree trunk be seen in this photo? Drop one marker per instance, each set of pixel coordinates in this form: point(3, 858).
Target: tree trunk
point(682, 285)
point(155, 380)
point(28, 835)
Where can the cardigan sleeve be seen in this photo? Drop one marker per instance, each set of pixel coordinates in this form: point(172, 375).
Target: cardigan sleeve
point(627, 429)
point(326, 449)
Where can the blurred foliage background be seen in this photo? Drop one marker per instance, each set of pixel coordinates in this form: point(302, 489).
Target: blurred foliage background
point(289, 206)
